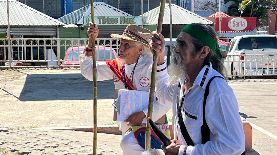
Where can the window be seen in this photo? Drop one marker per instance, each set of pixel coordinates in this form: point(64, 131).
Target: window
point(257, 43)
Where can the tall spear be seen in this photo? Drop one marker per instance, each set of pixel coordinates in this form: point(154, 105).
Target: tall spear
point(152, 85)
point(91, 44)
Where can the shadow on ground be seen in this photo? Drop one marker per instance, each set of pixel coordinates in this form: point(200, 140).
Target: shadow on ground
point(106, 130)
point(40, 87)
point(246, 116)
point(252, 152)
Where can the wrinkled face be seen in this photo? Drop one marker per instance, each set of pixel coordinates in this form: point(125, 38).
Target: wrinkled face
point(129, 51)
point(185, 51)
point(184, 57)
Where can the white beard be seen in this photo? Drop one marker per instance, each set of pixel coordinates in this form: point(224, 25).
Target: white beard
point(177, 69)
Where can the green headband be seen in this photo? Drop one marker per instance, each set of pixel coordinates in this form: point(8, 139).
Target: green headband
point(204, 38)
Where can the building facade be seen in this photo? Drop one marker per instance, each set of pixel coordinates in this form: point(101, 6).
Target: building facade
point(55, 8)
point(58, 8)
point(184, 4)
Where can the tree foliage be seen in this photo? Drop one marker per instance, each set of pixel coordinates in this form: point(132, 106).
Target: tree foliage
point(252, 8)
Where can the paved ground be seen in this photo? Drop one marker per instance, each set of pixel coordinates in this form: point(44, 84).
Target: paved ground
point(35, 100)
point(258, 104)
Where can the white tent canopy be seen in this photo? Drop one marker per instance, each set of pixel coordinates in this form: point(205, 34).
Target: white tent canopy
point(179, 16)
point(23, 15)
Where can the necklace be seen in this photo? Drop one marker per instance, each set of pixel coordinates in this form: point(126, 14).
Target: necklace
point(124, 75)
point(133, 71)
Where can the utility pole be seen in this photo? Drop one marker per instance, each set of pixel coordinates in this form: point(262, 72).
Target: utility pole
point(141, 13)
point(220, 18)
point(9, 34)
point(43, 4)
point(192, 5)
point(148, 5)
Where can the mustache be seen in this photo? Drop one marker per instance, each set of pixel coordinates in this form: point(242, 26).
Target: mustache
point(176, 69)
point(176, 58)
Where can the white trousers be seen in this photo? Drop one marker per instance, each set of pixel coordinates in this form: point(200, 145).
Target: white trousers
point(130, 146)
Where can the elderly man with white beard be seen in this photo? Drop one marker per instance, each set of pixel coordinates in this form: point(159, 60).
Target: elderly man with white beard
point(206, 115)
point(131, 73)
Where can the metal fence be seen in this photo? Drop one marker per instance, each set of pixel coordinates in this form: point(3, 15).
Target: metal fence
point(50, 52)
point(43, 52)
point(251, 65)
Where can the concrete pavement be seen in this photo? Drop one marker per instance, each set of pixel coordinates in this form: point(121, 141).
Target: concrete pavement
point(35, 101)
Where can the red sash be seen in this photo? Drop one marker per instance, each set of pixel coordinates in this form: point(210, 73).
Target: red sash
point(117, 70)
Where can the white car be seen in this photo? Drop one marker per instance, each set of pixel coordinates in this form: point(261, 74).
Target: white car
point(252, 55)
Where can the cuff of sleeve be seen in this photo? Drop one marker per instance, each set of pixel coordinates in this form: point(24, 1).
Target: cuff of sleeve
point(189, 150)
point(161, 66)
point(161, 69)
point(182, 150)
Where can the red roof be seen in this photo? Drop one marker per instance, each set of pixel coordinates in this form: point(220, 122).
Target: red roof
point(218, 14)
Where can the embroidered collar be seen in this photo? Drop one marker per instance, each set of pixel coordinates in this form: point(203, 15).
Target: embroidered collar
point(203, 76)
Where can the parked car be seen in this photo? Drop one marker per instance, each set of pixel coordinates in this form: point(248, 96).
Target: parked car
point(72, 55)
point(252, 55)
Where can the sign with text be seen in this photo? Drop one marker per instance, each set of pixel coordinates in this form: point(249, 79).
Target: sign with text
point(235, 24)
point(114, 20)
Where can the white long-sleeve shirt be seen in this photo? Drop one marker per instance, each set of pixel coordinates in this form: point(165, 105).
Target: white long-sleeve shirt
point(222, 115)
point(141, 78)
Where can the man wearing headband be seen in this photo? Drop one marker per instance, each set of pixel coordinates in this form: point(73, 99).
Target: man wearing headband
point(130, 72)
point(206, 114)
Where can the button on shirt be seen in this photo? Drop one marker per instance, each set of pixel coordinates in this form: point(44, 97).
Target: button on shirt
point(222, 114)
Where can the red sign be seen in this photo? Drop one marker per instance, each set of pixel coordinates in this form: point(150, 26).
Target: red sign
point(237, 24)
point(234, 24)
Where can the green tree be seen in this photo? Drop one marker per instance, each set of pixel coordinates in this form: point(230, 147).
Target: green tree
point(252, 8)
point(233, 10)
point(244, 4)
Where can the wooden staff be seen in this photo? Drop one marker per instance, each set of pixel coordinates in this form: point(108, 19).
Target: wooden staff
point(152, 85)
point(91, 44)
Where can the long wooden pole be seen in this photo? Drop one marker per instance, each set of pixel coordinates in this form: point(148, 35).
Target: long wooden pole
point(91, 44)
point(152, 85)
